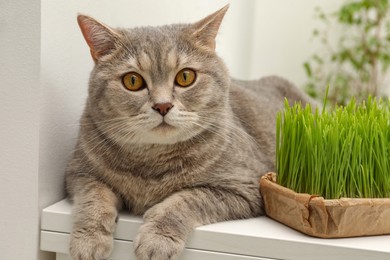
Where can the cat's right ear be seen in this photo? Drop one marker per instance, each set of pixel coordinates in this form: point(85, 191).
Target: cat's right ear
point(101, 39)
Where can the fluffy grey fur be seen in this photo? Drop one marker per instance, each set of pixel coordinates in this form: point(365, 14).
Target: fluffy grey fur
point(198, 164)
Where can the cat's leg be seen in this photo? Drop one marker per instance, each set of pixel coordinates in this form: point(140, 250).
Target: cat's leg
point(95, 213)
point(169, 223)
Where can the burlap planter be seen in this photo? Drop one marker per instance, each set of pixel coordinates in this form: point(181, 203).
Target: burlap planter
point(319, 217)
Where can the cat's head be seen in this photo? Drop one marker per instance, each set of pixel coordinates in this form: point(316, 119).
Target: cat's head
point(157, 85)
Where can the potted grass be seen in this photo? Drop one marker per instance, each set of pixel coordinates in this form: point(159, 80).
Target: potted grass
point(333, 170)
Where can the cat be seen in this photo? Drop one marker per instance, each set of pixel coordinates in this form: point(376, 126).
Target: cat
point(169, 135)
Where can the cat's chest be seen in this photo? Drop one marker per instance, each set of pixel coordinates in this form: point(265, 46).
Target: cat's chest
point(145, 177)
point(141, 193)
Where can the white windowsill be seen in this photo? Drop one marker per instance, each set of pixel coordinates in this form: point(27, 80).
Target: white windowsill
point(257, 238)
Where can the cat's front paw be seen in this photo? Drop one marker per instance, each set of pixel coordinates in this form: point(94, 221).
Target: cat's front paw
point(90, 245)
point(152, 243)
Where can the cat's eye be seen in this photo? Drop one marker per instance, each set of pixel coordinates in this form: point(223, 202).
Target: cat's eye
point(185, 77)
point(133, 81)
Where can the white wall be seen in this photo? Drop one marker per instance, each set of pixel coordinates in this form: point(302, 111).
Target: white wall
point(282, 37)
point(44, 68)
point(19, 128)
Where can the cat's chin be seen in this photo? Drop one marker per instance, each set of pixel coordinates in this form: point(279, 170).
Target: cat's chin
point(165, 134)
point(165, 127)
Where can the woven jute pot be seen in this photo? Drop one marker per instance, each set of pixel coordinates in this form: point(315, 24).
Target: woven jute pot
point(319, 217)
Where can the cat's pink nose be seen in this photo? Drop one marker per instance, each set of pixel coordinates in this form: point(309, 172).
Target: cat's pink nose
point(162, 108)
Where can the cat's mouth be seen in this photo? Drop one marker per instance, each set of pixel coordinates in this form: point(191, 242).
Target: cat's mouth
point(164, 126)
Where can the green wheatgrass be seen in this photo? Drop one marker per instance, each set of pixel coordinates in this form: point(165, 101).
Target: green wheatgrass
point(341, 153)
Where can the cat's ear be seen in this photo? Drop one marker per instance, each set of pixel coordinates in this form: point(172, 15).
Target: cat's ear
point(205, 31)
point(101, 39)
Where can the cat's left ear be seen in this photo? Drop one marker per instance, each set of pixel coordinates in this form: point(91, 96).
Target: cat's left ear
point(205, 31)
point(101, 39)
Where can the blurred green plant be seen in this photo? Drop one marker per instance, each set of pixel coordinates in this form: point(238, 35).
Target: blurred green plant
point(357, 62)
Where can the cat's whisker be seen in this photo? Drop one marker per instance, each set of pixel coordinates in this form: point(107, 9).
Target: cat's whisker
point(98, 134)
point(237, 132)
point(99, 122)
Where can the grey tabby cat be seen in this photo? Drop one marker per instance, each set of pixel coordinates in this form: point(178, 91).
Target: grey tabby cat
point(168, 134)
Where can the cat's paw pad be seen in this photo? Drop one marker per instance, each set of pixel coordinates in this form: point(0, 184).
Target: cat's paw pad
point(87, 245)
point(151, 244)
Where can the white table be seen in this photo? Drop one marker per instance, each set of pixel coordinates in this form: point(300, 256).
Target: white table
point(257, 238)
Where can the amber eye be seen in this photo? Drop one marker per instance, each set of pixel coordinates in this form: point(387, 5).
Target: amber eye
point(133, 81)
point(185, 77)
